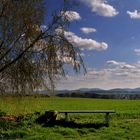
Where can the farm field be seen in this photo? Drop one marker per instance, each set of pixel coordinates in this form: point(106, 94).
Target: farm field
point(124, 124)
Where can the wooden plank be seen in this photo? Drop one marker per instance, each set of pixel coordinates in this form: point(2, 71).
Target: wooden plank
point(86, 111)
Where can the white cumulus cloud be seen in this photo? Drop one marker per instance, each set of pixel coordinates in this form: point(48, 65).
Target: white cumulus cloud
point(112, 62)
point(101, 7)
point(137, 51)
point(87, 30)
point(134, 15)
point(72, 15)
point(85, 43)
point(121, 65)
point(122, 75)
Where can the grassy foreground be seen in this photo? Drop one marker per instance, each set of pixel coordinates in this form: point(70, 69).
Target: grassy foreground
point(124, 124)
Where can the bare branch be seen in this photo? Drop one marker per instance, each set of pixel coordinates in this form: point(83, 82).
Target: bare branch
point(1, 45)
point(20, 55)
point(11, 46)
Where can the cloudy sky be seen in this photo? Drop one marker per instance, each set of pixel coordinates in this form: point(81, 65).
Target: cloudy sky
point(108, 34)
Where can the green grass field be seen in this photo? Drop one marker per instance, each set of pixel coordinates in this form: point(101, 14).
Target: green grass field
point(124, 124)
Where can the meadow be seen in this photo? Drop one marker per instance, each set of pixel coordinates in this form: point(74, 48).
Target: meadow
point(124, 124)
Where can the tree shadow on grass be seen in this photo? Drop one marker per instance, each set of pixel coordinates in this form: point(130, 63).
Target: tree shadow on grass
point(72, 124)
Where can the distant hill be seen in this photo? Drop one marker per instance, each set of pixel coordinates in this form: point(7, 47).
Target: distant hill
point(97, 90)
point(119, 93)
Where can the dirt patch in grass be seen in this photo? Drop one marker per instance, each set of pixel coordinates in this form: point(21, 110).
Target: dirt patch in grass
point(8, 118)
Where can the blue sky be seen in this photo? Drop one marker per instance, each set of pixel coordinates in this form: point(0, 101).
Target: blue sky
point(108, 34)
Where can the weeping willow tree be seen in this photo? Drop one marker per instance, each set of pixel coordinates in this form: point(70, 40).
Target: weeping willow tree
point(32, 55)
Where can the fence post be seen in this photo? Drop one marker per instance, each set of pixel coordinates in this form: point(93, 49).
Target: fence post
point(107, 118)
point(66, 116)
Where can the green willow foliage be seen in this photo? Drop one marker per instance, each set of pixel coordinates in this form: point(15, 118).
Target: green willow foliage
point(31, 54)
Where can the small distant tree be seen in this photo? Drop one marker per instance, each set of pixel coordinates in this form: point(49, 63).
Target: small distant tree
point(31, 53)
